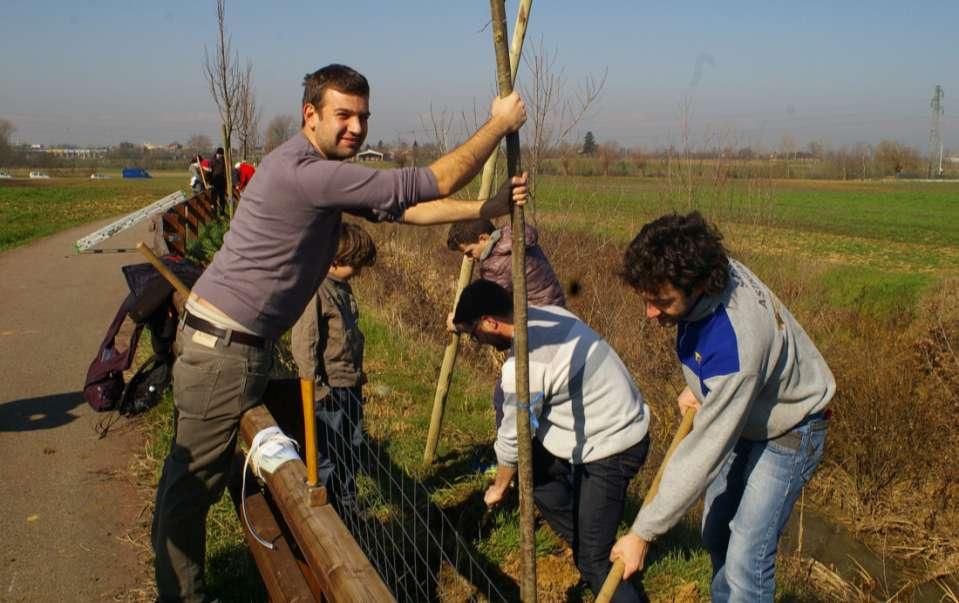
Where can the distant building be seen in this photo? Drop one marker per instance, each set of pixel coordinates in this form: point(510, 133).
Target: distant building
point(369, 155)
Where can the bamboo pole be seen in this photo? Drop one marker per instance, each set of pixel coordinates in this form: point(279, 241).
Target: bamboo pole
point(615, 575)
point(466, 267)
point(446, 371)
point(520, 343)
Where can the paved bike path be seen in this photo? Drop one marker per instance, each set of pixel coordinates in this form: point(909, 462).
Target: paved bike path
point(73, 524)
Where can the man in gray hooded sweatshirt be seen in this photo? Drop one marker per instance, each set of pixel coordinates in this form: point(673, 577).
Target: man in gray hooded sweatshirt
point(761, 388)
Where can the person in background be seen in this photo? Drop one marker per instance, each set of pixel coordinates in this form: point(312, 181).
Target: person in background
point(196, 174)
point(242, 174)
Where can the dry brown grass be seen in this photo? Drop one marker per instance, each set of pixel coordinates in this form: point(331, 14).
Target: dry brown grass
point(891, 471)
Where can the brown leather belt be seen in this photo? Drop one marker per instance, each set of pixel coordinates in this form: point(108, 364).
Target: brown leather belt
point(234, 336)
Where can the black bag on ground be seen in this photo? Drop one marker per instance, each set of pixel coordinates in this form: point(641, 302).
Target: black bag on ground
point(150, 303)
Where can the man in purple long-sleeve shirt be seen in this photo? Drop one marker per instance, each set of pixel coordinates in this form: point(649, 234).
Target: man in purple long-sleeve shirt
point(279, 247)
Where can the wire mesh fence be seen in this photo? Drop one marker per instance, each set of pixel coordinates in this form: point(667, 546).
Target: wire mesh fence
point(418, 551)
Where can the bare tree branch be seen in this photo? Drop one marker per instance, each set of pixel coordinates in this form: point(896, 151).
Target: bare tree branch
point(248, 118)
point(222, 72)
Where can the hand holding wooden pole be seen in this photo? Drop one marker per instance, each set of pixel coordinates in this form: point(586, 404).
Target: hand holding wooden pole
point(615, 575)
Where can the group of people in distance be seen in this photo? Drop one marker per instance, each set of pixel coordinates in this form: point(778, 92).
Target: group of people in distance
point(760, 386)
point(211, 174)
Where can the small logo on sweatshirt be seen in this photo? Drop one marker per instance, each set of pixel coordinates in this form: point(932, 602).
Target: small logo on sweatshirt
point(699, 357)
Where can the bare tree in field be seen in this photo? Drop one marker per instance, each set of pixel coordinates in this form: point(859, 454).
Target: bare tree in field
point(248, 115)
point(280, 129)
point(441, 127)
point(222, 72)
point(553, 111)
point(223, 75)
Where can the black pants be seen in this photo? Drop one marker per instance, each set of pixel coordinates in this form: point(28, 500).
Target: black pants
point(584, 503)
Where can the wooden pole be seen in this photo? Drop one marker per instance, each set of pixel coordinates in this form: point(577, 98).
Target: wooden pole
point(615, 575)
point(307, 395)
point(228, 165)
point(520, 343)
point(466, 267)
point(163, 270)
point(446, 371)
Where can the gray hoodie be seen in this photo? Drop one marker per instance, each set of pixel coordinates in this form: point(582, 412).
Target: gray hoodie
point(757, 375)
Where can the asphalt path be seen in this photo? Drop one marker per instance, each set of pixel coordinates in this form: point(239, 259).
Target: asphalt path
point(73, 523)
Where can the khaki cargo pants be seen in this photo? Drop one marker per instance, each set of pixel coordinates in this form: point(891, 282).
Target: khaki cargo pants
point(214, 383)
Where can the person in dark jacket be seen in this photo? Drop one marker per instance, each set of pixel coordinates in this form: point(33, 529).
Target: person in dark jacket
point(218, 176)
point(492, 249)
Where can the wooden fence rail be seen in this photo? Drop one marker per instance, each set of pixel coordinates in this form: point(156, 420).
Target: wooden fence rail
point(334, 559)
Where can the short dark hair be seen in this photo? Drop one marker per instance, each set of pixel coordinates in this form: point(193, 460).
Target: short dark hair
point(467, 233)
point(684, 251)
point(356, 247)
point(482, 298)
point(338, 77)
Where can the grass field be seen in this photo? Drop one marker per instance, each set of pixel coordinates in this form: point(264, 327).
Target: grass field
point(36, 208)
point(882, 241)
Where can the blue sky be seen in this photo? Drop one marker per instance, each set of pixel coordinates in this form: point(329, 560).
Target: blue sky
point(104, 71)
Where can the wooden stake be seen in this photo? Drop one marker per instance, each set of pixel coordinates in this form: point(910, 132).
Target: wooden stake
point(520, 343)
point(307, 394)
point(446, 371)
point(466, 267)
point(615, 575)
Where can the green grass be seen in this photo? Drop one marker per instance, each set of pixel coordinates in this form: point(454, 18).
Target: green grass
point(874, 292)
point(33, 209)
point(896, 226)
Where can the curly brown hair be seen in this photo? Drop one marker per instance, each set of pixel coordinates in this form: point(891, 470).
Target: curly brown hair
point(684, 251)
point(356, 247)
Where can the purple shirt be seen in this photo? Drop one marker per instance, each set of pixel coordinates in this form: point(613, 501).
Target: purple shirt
point(285, 231)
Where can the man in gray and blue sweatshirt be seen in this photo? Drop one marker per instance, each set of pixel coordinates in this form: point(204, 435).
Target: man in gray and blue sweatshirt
point(588, 417)
point(761, 388)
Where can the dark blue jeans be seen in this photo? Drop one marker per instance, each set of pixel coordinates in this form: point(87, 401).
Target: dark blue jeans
point(748, 504)
point(584, 503)
point(339, 441)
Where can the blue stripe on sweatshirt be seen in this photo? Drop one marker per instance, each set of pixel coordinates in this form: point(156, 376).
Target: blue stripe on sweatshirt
point(709, 347)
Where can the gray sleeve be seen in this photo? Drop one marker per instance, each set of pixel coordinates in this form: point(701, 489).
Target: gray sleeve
point(505, 445)
point(375, 194)
point(717, 427)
